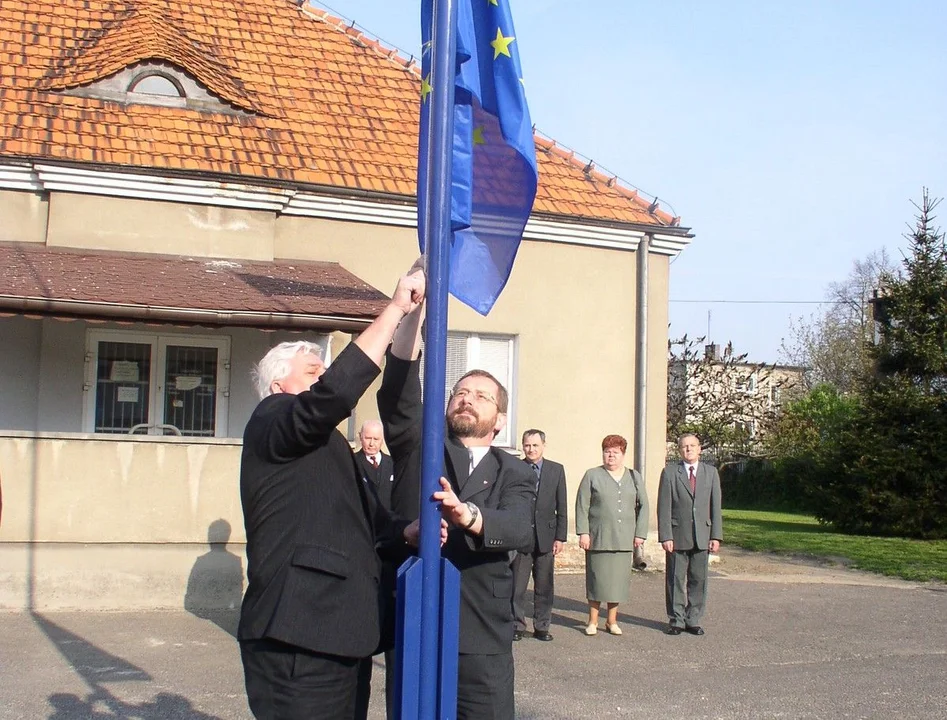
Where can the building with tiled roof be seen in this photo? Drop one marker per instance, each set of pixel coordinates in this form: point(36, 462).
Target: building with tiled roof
point(182, 185)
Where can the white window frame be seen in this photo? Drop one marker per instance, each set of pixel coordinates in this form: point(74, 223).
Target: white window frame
point(159, 343)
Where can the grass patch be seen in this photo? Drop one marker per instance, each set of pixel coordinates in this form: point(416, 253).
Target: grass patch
point(793, 534)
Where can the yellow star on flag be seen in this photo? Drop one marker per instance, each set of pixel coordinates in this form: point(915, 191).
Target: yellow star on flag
point(492, 2)
point(501, 46)
point(425, 88)
point(478, 138)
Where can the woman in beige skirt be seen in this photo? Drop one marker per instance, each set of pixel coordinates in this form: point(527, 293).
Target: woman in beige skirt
point(611, 520)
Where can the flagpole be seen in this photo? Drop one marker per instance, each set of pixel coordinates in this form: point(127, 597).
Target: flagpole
point(437, 213)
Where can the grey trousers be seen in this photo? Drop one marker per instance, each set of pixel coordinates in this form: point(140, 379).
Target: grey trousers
point(685, 592)
point(542, 567)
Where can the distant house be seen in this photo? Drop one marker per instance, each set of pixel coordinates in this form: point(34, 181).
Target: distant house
point(735, 401)
point(182, 185)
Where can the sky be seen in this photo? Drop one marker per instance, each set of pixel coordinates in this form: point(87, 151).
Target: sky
point(791, 137)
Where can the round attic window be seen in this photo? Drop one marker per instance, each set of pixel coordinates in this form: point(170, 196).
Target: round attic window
point(156, 84)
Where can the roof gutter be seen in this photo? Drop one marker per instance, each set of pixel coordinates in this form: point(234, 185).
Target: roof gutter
point(174, 315)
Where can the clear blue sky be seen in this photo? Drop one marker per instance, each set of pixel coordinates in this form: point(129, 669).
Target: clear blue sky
point(790, 136)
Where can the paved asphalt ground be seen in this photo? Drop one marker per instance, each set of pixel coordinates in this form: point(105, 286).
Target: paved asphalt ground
point(784, 640)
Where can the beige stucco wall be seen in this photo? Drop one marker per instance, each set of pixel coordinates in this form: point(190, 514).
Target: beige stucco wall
point(75, 488)
point(104, 223)
point(22, 216)
point(114, 522)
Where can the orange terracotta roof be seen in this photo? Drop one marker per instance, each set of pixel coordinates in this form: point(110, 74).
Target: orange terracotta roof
point(324, 105)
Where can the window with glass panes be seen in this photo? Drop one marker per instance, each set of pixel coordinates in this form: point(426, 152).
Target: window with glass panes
point(157, 384)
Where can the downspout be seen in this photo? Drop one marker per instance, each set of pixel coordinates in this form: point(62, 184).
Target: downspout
point(641, 355)
point(641, 371)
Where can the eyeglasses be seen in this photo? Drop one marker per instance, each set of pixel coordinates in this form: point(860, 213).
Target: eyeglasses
point(478, 395)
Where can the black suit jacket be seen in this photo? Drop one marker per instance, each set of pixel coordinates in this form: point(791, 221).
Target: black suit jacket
point(382, 477)
point(502, 486)
point(551, 516)
point(311, 525)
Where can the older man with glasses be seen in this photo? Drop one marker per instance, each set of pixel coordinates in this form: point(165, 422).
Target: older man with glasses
point(486, 497)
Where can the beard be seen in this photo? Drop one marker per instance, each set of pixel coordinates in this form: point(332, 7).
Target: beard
point(466, 423)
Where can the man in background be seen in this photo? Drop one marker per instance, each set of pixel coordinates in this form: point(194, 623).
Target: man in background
point(690, 527)
point(376, 467)
point(550, 527)
point(377, 472)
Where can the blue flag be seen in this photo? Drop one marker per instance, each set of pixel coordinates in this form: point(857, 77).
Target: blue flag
point(494, 159)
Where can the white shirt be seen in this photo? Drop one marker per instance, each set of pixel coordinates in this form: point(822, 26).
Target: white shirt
point(476, 455)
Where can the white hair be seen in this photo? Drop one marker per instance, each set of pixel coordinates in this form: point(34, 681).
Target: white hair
point(275, 364)
point(371, 424)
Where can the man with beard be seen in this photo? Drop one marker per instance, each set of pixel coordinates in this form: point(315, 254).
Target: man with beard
point(487, 499)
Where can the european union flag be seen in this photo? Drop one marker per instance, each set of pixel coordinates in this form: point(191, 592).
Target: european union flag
point(494, 159)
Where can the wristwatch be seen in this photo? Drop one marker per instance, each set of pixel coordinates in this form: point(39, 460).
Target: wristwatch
point(474, 514)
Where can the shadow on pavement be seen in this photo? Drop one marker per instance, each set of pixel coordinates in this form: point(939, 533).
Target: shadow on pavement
point(96, 666)
point(566, 604)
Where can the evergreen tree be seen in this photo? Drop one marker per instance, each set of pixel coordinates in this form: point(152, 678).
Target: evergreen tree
point(892, 458)
point(913, 311)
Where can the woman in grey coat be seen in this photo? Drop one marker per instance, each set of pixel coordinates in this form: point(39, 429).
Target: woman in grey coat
point(611, 520)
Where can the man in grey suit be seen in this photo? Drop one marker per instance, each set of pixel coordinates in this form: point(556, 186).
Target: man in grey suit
point(690, 527)
point(550, 525)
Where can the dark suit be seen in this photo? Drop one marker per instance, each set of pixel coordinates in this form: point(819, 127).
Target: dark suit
point(503, 488)
point(691, 520)
point(382, 477)
point(312, 606)
point(550, 523)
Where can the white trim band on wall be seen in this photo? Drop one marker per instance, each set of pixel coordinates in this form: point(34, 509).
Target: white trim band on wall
point(39, 177)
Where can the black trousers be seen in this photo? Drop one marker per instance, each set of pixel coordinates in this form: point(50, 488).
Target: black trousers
point(542, 566)
point(364, 693)
point(485, 687)
point(285, 682)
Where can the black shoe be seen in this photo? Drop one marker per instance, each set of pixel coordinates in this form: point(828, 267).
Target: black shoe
point(542, 635)
point(696, 630)
point(518, 635)
point(673, 630)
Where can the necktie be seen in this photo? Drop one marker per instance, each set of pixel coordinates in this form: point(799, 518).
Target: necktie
point(374, 462)
point(693, 479)
point(470, 469)
point(536, 470)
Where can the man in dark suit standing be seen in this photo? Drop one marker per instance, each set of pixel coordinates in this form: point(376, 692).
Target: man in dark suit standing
point(690, 527)
point(377, 472)
point(376, 467)
point(312, 606)
point(550, 528)
point(486, 497)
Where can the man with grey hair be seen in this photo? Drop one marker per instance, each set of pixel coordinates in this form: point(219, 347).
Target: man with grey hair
point(376, 467)
point(690, 527)
point(378, 474)
point(312, 605)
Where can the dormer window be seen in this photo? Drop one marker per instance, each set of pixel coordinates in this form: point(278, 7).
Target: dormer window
point(156, 84)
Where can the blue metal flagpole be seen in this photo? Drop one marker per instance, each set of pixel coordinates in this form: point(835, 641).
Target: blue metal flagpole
point(437, 242)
